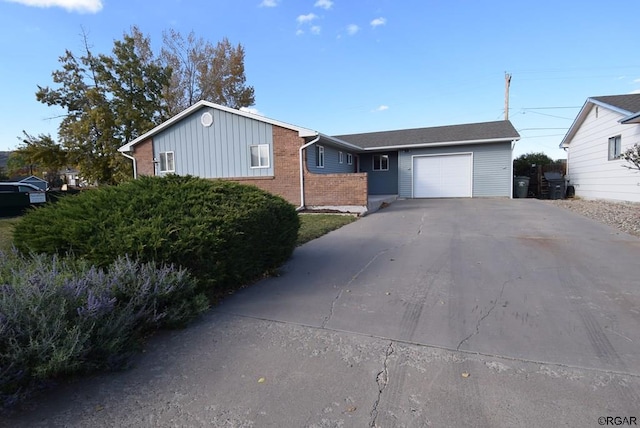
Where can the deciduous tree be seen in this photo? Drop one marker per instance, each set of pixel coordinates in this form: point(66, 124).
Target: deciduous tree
point(202, 71)
point(632, 155)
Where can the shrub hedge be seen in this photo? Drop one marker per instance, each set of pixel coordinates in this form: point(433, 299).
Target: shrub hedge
point(61, 316)
point(226, 234)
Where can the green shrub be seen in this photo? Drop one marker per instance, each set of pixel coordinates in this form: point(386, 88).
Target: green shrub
point(61, 316)
point(225, 233)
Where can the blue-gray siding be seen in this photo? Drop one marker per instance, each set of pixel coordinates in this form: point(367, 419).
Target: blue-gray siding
point(492, 174)
point(381, 182)
point(332, 163)
point(218, 151)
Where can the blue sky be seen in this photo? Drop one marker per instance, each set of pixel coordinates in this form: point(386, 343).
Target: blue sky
point(346, 66)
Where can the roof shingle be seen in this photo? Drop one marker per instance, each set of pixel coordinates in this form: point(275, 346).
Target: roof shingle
point(628, 102)
point(499, 130)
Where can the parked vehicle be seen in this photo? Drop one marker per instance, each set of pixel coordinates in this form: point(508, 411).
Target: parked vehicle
point(14, 195)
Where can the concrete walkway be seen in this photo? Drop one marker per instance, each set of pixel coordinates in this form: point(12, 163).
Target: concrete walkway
point(446, 313)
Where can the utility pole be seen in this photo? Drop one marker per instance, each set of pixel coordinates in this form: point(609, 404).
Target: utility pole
point(507, 84)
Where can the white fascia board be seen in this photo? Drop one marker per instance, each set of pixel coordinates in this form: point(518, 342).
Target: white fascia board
point(340, 142)
point(302, 132)
point(582, 115)
point(449, 143)
point(634, 118)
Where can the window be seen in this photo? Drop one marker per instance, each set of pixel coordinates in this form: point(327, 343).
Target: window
point(341, 157)
point(259, 156)
point(349, 159)
point(320, 156)
point(615, 147)
point(167, 163)
point(380, 162)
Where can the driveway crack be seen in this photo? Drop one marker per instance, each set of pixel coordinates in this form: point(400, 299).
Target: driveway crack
point(482, 318)
point(382, 379)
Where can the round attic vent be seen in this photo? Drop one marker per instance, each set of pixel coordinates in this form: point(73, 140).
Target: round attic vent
point(206, 119)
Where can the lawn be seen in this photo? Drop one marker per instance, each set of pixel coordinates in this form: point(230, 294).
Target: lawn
point(312, 226)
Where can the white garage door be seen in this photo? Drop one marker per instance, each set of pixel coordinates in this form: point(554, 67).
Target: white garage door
point(442, 176)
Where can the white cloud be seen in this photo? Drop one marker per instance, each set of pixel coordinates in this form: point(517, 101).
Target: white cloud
point(325, 4)
point(382, 108)
point(352, 29)
point(378, 22)
point(299, 32)
point(269, 3)
point(636, 80)
point(82, 6)
point(315, 29)
point(306, 18)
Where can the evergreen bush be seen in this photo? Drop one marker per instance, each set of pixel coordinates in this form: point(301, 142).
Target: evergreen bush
point(225, 233)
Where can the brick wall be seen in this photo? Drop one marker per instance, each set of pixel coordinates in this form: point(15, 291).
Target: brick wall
point(335, 189)
point(143, 153)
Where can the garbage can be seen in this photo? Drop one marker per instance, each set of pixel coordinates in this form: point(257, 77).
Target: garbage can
point(521, 187)
point(557, 185)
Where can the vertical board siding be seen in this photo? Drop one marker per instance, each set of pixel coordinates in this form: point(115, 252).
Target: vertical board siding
point(589, 169)
point(218, 151)
point(332, 163)
point(491, 168)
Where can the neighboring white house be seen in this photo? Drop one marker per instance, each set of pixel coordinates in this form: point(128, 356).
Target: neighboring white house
point(605, 127)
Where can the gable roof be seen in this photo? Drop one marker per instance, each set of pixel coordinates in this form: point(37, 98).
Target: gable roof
point(626, 105)
point(303, 132)
point(471, 133)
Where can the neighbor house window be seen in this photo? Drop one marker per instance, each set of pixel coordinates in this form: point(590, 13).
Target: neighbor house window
point(615, 147)
point(341, 157)
point(167, 163)
point(380, 162)
point(349, 159)
point(259, 156)
point(320, 156)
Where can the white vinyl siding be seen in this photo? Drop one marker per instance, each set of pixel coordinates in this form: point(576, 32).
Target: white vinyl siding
point(589, 169)
point(167, 162)
point(259, 156)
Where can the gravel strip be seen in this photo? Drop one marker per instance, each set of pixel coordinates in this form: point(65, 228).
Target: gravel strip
point(622, 215)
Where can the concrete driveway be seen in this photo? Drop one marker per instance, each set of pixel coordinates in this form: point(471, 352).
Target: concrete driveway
point(484, 313)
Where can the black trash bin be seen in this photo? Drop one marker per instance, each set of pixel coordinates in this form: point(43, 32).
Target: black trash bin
point(521, 187)
point(557, 185)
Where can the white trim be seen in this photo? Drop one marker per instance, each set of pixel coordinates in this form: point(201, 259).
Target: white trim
point(341, 157)
point(373, 162)
point(319, 156)
point(584, 112)
point(349, 159)
point(260, 146)
point(302, 132)
point(439, 154)
point(166, 162)
point(449, 143)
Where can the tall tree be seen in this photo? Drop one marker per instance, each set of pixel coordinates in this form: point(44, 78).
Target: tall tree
point(202, 71)
point(109, 100)
point(43, 153)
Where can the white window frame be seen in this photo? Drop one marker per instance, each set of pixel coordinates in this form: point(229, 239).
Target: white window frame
point(341, 155)
point(615, 147)
point(166, 164)
point(379, 166)
point(263, 149)
point(320, 156)
point(349, 159)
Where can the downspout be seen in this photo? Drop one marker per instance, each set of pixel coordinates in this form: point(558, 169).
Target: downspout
point(513, 145)
point(135, 169)
point(310, 143)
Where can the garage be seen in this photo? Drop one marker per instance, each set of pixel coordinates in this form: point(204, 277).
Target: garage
point(443, 176)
